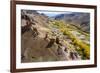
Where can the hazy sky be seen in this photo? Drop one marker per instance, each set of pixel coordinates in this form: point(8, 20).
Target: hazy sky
point(52, 13)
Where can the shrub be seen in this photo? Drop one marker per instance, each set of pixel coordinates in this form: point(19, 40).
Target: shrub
point(84, 48)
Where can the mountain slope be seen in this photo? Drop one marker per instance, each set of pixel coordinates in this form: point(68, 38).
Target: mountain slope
point(81, 20)
point(46, 39)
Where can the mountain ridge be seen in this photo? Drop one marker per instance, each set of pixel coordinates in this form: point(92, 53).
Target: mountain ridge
point(80, 20)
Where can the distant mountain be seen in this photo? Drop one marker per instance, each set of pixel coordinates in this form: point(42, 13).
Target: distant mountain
point(81, 20)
